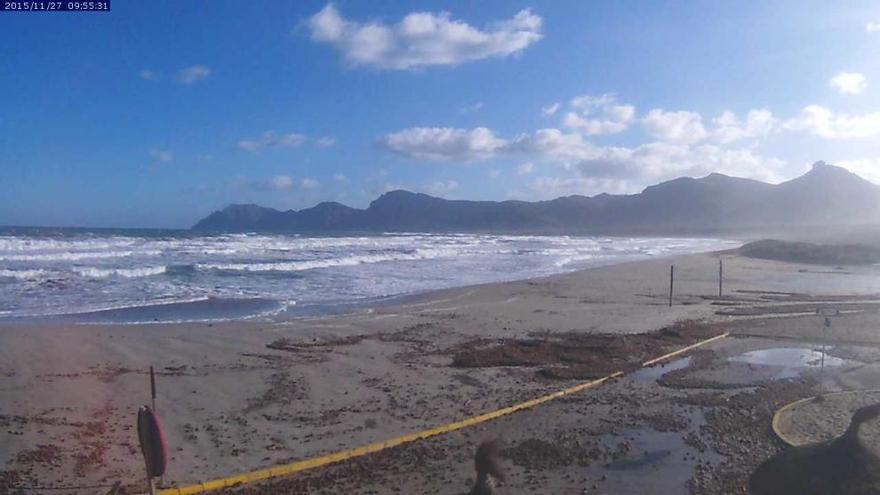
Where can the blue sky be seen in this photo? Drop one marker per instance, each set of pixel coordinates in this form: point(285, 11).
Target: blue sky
point(156, 115)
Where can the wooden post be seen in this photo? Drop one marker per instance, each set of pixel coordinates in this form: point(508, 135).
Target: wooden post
point(671, 282)
point(153, 387)
point(720, 276)
point(153, 400)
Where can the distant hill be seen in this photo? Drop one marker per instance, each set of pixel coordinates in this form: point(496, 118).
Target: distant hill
point(824, 196)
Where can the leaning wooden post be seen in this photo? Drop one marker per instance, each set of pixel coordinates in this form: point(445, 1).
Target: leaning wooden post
point(155, 411)
point(153, 447)
point(720, 276)
point(153, 387)
point(671, 282)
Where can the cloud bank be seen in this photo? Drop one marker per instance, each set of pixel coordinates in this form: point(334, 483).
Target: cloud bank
point(422, 39)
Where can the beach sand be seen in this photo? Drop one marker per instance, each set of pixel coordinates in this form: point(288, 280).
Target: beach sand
point(237, 396)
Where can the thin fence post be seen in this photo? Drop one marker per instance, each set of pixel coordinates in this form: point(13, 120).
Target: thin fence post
point(720, 276)
point(153, 387)
point(671, 282)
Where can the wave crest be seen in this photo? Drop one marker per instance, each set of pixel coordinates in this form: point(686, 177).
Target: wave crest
point(94, 272)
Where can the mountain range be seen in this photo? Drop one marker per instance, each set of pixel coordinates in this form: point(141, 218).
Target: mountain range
point(825, 196)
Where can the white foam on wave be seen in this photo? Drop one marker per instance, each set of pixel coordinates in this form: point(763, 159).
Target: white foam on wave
point(23, 274)
point(19, 244)
point(296, 266)
point(76, 256)
point(95, 272)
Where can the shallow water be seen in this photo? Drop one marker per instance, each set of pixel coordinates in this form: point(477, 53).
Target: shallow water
point(653, 373)
point(655, 463)
point(792, 361)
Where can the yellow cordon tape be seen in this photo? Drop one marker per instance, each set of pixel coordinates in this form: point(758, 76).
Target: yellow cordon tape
point(791, 405)
point(777, 415)
point(684, 350)
point(300, 466)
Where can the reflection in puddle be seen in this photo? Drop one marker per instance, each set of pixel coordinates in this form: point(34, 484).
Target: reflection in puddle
point(655, 372)
point(647, 458)
point(792, 360)
point(652, 461)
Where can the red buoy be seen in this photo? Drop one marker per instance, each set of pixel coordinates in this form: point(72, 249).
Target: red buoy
point(152, 439)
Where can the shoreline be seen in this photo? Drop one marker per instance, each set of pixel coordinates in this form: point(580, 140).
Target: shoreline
point(360, 307)
point(239, 395)
point(279, 307)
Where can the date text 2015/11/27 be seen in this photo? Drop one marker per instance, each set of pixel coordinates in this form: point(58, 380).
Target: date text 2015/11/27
point(54, 6)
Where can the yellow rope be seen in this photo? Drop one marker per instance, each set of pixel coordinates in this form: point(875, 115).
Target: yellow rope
point(777, 416)
point(304, 465)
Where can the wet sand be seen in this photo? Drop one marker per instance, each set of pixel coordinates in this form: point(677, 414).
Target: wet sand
point(244, 395)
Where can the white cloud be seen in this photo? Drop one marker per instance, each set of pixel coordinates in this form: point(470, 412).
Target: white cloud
point(550, 109)
point(598, 115)
point(325, 142)
point(849, 83)
point(823, 122)
point(648, 162)
point(681, 127)
point(440, 187)
point(758, 123)
point(191, 75)
point(554, 187)
point(147, 75)
point(281, 182)
point(553, 146)
point(632, 167)
point(443, 143)
point(525, 168)
point(161, 156)
point(872, 27)
point(276, 183)
point(589, 103)
point(308, 183)
point(598, 126)
point(338, 177)
point(476, 107)
point(494, 173)
point(867, 168)
point(422, 39)
point(270, 139)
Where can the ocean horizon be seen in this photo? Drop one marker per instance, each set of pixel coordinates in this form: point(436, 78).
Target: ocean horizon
point(112, 275)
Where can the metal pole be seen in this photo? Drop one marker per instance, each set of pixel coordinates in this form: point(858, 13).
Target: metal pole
point(824, 343)
point(671, 282)
point(720, 276)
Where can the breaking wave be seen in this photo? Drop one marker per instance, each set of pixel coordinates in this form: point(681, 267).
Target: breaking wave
point(49, 272)
point(146, 271)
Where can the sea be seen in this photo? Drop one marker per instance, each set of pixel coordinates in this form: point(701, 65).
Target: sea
point(160, 276)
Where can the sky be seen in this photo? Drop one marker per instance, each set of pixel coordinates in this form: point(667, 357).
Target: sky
point(156, 114)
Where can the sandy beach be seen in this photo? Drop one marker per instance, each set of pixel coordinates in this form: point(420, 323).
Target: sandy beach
point(238, 396)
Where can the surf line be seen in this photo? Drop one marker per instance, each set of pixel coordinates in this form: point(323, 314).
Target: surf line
point(316, 462)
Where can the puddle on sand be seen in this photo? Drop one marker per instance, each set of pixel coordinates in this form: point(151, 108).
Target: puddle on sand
point(656, 462)
point(647, 458)
point(653, 373)
point(791, 360)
